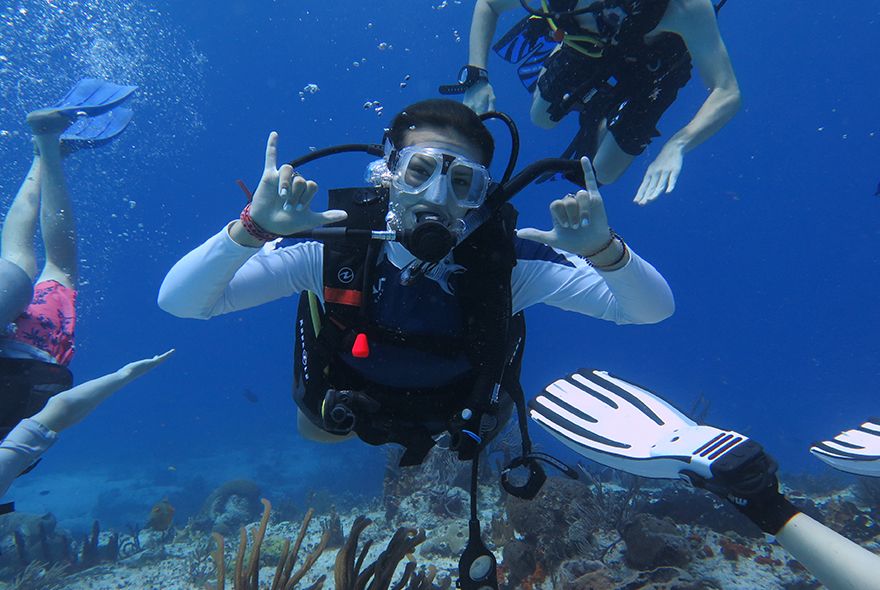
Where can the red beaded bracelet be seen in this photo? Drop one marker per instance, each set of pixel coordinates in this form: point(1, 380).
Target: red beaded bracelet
point(253, 228)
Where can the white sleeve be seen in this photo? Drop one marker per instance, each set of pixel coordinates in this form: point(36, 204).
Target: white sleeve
point(21, 447)
point(634, 294)
point(221, 276)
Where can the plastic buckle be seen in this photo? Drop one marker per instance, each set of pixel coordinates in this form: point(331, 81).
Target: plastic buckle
point(533, 484)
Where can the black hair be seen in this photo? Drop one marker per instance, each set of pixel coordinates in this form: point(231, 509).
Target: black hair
point(443, 114)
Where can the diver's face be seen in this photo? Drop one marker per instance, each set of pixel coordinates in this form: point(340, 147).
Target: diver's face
point(442, 202)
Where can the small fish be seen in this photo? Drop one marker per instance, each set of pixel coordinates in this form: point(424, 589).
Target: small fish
point(44, 492)
point(877, 192)
point(250, 396)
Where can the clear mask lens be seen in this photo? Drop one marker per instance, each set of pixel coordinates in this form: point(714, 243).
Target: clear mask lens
point(420, 169)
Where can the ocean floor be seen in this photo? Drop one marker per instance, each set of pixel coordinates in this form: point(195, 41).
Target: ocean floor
point(603, 532)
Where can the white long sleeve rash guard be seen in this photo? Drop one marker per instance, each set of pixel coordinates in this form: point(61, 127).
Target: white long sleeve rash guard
point(221, 276)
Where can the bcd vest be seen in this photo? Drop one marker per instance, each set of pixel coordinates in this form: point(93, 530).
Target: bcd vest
point(491, 339)
point(619, 47)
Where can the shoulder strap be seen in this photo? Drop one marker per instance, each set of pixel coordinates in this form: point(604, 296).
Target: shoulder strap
point(347, 270)
point(643, 17)
point(486, 299)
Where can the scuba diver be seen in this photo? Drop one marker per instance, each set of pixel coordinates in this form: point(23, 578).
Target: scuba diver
point(38, 306)
point(417, 341)
point(625, 426)
point(38, 311)
point(619, 64)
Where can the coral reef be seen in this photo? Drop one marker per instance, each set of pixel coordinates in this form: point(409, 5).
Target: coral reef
point(596, 576)
point(652, 543)
point(229, 507)
point(850, 520)
point(349, 570)
point(40, 576)
point(561, 521)
point(28, 537)
point(519, 561)
point(613, 532)
point(868, 491)
point(447, 540)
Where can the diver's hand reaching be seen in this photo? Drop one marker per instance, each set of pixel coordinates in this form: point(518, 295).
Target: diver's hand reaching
point(69, 407)
point(661, 175)
point(136, 369)
point(580, 226)
point(280, 204)
point(480, 98)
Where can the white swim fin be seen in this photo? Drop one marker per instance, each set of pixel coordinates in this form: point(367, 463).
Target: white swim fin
point(854, 451)
point(625, 426)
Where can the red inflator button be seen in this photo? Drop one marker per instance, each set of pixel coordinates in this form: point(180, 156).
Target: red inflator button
point(361, 348)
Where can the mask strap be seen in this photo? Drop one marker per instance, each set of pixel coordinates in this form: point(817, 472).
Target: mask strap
point(391, 153)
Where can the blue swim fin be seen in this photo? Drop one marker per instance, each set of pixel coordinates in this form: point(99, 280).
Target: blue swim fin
point(528, 35)
point(92, 132)
point(91, 97)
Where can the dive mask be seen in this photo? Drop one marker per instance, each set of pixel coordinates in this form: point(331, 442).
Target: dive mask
point(437, 174)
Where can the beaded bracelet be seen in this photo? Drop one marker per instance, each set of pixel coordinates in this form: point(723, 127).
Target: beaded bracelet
point(607, 245)
point(616, 262)
point(253, 228)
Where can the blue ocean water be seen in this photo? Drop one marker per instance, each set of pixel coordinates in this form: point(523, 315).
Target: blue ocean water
point(770, 241)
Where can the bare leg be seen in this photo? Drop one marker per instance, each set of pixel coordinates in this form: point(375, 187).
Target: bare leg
point(610, 161)
point(539, 114)
point(21, 223)
point(56, 211)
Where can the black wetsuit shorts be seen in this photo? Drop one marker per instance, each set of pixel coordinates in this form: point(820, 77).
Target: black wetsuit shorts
point(26, 386)
point(632, 93)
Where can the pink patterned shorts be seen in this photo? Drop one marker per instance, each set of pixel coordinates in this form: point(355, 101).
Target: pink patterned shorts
point(49, 321)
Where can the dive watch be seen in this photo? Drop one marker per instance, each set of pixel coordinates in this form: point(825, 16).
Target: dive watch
point(468, 76)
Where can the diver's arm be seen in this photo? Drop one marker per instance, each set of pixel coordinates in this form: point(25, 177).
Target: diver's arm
point(481, 97)
point(483, 23)
point(695, 22)
point(836, 561)
point(634, 294)
point(605, 280)
point(746, 477)
point(222, 276)
point(33, 436)
point(69, 407)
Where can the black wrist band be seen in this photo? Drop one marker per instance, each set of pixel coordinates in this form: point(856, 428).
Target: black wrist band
point(772, 515)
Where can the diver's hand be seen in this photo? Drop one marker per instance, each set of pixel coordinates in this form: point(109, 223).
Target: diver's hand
point(580, 224)
point(281, 202)
point(662, 174)
point(132, 371)
point(480, 98)
point(746, 477)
